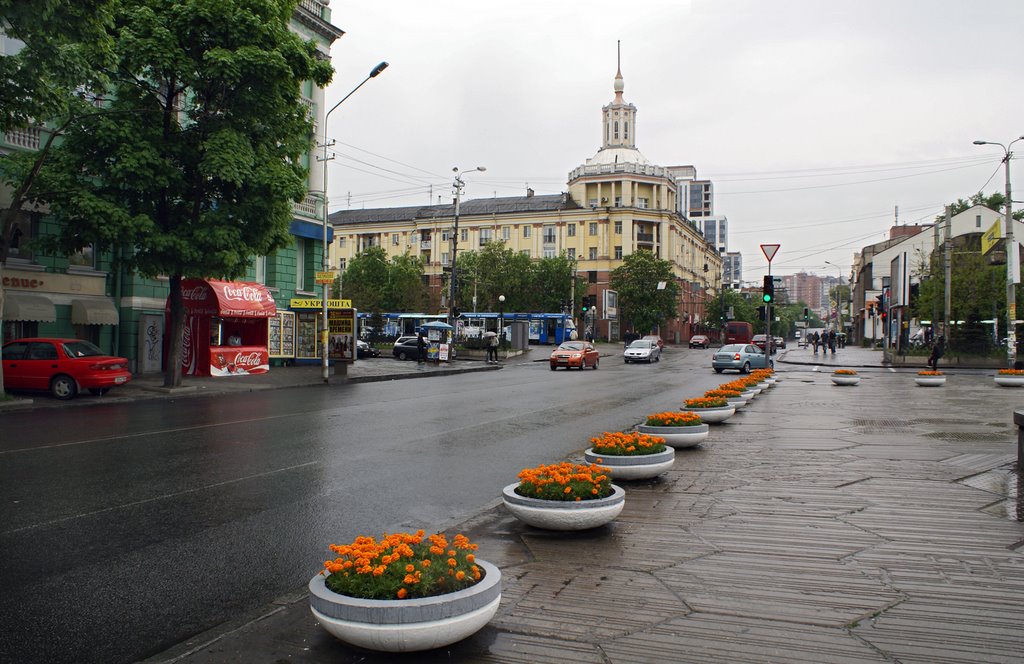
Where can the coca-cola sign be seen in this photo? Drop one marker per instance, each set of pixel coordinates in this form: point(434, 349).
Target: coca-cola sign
point(243, 293)
point(239, 363)
point(195, 293)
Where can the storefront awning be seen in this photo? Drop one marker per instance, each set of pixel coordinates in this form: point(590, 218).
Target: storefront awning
point(230, 299)
point(22, 306)
point(94, 312)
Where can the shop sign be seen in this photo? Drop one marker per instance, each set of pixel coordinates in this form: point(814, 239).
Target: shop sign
point(324, 278)
point(301, 303)
point(242, 362)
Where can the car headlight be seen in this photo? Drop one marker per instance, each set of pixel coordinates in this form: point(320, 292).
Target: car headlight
point(577, 356)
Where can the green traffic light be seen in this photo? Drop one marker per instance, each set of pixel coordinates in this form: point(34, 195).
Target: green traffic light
point(766, 297)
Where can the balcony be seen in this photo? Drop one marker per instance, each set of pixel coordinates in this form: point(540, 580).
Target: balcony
point(645, 237)
point(28, 138)
point(314, 7)
point(310, 206)
point(425, 245)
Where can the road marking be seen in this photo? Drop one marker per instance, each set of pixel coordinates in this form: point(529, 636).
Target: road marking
point(156, 498)
point(148, 433)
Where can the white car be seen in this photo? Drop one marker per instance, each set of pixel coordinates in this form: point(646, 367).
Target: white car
point(642, 350)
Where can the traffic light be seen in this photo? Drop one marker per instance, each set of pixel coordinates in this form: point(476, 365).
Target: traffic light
point(762, 313)
point(807, 313)
point(769, 289)
point(586, 303)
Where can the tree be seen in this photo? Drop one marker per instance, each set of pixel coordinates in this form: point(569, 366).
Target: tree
point(64, 48)
point(200, 173)
point(742, 308)
point(643, 304)
point(994, 201)
point(377, 284)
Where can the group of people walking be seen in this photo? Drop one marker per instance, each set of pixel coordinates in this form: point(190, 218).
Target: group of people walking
point(828, 340)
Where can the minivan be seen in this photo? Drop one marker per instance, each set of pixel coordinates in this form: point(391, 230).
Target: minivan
point(738, 332)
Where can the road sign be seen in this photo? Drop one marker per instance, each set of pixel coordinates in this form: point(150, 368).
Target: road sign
point(769, 250)
point(991, 237)
point(324, 277)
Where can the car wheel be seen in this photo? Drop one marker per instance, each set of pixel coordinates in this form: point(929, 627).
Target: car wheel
point(746, 368)
point(63, 387)
point(718, 371)
point(99, 391)
point(403, 356)
point(553, 367)
point(626, 361)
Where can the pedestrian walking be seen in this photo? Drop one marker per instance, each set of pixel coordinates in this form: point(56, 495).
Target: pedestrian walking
point(938, 350)
point(832, 341)
point(421, 348)
point(589, 335)
point(814, 342)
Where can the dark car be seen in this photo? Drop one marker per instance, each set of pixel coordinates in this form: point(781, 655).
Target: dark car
point(741, 357)
point(699, 341)
point(407, 349)
point(364, 350)
point(761, 341)
point(62, 366)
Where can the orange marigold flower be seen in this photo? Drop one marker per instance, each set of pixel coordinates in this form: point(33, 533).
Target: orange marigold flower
point(452, 562)
point(460, 575)
point(402, 593)
point(410, 569)
point(470, 558)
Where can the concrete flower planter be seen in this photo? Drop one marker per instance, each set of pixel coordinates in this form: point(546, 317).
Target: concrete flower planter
point(407, 625)
point(564, 515)
point(737, 402)
point(714, 415)
point(930, 381)
point(845, 379)
point(634, 467)
point(1009, 381)
point(678, 437)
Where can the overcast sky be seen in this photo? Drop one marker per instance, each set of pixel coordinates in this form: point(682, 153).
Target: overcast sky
point(814, 119)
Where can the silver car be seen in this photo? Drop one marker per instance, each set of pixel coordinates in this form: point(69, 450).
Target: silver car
point(642, 350)
point(741, 357)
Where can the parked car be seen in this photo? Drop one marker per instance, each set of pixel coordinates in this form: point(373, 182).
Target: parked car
point(579, 354)
point(407, 348)
point(780, 342)
point(642, 350)
point(654, 338)
point(741, 357)
point(62, 366)
point(363, 350)
point(699, 341)
point(405, 339)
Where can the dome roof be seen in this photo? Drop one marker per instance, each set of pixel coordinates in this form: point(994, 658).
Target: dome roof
point(618, 156)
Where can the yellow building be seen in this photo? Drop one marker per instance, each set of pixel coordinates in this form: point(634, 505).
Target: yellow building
point(617, 203)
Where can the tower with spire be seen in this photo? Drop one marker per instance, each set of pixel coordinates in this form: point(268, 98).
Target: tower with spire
point(619, 118)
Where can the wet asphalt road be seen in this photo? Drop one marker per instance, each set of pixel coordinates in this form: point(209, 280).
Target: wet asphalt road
point(127, 528)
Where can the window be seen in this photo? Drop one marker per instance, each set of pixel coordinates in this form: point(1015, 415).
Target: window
point(414, 238)
point(618, 228)
point(593, 253)
point(300, 263)
point(446, 236)
point(342, 264)
point(618, 201)
point(525, 252)
point(571, 253)
point(549, 253)
point(593, 228)
point(506, 232)
point(446, 258)
point(486, 235)
point(394, 239)
point(618, 253)
point(24, 229)
point(977, 221)
point(616, 132)
point(592, 276)
point(641, 203)
point(526, 231)
point(592, 202)
point(570, 230)
point(549, 234)
point(341, 242)
point(625, 130)
point(464, 235)
point(260, 269)
point(84, 257)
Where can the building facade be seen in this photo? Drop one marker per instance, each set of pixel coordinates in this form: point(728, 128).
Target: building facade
point(84, 296)
point(617, 203)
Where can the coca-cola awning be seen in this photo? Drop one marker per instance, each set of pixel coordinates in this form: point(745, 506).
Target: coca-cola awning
point(230, 299)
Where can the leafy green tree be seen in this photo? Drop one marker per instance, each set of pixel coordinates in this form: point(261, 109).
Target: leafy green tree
point(201, 174)
point(643, 304)
point(743, 309)
point(994, 201)
point(64, 48)
point(376, 283)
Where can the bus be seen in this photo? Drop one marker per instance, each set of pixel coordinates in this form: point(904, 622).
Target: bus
point(544, 328)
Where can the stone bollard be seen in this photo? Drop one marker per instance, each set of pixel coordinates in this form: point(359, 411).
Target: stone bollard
point(1018, 419)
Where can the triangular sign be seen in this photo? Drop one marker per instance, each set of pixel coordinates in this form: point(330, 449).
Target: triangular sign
point(769, 250)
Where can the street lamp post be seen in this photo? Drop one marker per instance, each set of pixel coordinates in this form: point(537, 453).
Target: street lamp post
point(1012, 264)
point(325, 265)
point(457, 187)
point(501, 318)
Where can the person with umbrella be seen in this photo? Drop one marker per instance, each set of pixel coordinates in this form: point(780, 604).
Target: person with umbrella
point(492, 347)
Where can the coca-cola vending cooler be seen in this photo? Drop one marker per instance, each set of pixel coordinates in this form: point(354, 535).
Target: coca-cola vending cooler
point(225, 328)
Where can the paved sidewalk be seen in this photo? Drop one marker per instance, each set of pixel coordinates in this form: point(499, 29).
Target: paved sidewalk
point(875, 523)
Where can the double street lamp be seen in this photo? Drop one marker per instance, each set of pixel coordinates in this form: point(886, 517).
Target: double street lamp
point(453, 283)
point(325, 262)
point(1012, 263)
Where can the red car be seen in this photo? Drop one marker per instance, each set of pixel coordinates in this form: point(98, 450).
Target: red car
point(62, 366)
point(579, 354)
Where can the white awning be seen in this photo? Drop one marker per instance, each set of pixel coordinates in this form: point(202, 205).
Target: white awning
point(23, 306)
point(94, 312)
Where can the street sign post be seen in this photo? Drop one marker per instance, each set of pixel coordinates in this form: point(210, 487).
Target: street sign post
point(769, 251)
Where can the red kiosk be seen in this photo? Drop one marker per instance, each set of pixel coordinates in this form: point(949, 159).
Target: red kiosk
point(225, 327)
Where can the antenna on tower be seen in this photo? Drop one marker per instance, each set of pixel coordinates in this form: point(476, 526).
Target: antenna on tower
point(897, 215)
point(618, 56)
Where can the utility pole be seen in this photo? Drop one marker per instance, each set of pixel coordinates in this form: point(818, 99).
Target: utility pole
point(948, 260)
